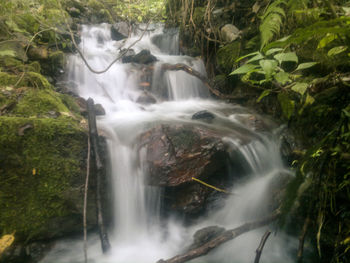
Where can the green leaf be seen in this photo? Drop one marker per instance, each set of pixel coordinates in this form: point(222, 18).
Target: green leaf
point(246, 68)
point(306, 65)
point(309, 100)
point(336, 50)
point(287, 105)
point(7, 52)
point(259, 56)
point(269, 66)
point(330, 37)
point(263, 95)
point(246, 56)
point(282, 77)
point(272, 51)
point(290, 56)
point(300, 87)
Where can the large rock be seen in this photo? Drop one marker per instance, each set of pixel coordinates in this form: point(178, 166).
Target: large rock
point(120, 31)
point(143, 57)
point(229, 33)
point(175, 154)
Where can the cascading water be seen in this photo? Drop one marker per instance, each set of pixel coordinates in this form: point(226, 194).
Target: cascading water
point(138, 234)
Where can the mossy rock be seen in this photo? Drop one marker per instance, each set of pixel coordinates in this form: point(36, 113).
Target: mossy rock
point(42, 167)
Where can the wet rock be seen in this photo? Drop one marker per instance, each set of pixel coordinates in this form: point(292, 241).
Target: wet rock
point(120, 31)
point(203, 115)
point(146, 98)
point(82, 104)
point(177, 153)
point(143, 57)
point(204, 235)
point(229, 33)
point(128, 52)
point(99, 110)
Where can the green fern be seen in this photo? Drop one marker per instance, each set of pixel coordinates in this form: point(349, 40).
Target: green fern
point(272, 21)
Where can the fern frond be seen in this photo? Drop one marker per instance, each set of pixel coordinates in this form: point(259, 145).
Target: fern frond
point(272, 21)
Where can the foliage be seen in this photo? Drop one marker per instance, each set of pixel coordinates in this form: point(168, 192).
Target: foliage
point(272, 21)
point(141, 10)
point(5, 242)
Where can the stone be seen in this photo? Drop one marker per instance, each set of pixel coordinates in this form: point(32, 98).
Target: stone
point(229, 33)
point(177, 153)
point(203, 115)
point(146, 98)
point(99, 110)
point(120, 31)
point(143, 57)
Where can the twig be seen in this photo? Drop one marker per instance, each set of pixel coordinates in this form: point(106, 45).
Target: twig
point(261, 246)
point(211, 186)
point(85, 197)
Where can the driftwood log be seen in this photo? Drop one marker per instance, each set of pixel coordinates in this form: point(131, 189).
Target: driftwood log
point(204, 79)
point(222, 238)
point(98, 166)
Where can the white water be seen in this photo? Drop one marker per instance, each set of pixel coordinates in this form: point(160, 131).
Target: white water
point(138, 234)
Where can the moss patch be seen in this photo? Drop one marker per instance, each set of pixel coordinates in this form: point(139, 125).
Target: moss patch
point(37, 170)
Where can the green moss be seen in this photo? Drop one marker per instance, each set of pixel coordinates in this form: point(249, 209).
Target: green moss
point(227, 55)
point(7, 79)
point(37, 170)
point(37, 102)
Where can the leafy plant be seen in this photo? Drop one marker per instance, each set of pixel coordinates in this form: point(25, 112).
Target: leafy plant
point(272, 21)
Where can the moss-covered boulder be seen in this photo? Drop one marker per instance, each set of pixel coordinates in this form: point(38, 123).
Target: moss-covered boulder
point(43, 148)
point(42, 166)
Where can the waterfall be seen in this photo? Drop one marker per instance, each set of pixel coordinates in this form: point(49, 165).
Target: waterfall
point(139, 233)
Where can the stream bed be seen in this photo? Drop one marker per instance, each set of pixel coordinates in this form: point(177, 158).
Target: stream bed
point(141, 101)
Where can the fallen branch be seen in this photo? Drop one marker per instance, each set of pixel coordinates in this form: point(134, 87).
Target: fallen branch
point(261, 246)
point(222, 238)
point(204, 79)
point(98, 165)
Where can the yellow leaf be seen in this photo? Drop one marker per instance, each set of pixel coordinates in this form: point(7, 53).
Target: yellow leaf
point(34, 171)
point(6, 242)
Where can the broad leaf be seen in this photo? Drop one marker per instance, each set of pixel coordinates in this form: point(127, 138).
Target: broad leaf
point(290, 56)
point(263, 95)
point(259, 56)
point(330, 37)
point(246, 68)
point(272, 51)
point(300, 87)
point(336, 50)
point(282, 77)
point(269, 66)
point(306, 65)
point(247, 56)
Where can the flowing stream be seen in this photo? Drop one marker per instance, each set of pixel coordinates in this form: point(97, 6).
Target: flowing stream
point(139, 233)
